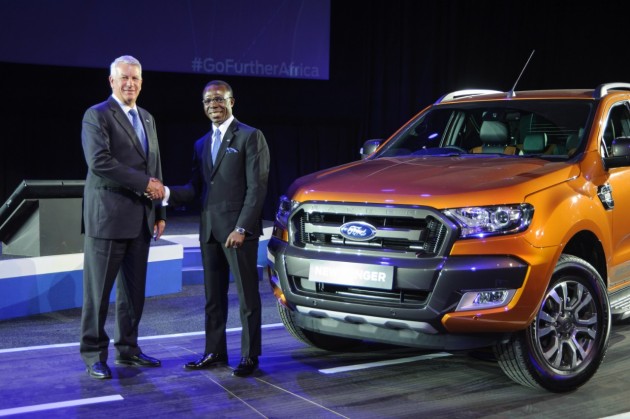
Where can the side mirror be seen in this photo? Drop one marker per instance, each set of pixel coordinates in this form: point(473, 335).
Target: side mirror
point(369, 147)
point(619, 153)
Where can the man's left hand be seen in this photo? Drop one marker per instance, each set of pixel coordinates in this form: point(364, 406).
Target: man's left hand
point(235, 240)
point(158, 229)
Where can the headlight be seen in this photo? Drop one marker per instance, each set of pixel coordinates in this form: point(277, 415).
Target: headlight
point(492, 221)
point(285, 206)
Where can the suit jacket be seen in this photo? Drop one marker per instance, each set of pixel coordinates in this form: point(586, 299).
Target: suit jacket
point(232, 190)
point(114, 205)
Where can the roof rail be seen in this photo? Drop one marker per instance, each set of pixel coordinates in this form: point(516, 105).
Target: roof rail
point(465, 93)
point(602, 89)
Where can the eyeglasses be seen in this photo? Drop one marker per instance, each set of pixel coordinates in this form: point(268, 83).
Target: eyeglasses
point(217, 100)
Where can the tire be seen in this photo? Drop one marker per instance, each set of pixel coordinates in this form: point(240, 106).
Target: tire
point(317, 340)
point(567, 341)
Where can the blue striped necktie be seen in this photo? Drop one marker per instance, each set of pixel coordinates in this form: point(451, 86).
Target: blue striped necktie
point(216, 143)
point(137, 126)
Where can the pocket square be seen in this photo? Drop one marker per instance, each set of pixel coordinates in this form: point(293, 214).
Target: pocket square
point(230, 150)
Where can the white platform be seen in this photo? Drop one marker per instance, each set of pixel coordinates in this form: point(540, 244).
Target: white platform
point(34, 285)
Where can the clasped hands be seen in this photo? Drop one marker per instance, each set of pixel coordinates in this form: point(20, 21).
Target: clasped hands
point(155, 189)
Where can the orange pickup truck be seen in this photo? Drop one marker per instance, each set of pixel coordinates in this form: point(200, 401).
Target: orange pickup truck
point(490, 219)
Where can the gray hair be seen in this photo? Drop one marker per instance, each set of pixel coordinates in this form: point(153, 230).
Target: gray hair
point(125, 59)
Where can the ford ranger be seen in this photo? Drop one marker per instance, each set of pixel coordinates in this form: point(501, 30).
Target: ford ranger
point(489, 220)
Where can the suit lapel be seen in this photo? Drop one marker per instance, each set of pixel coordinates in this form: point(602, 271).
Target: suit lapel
point(207, 152)
point(144, 120)
point(121, 118)
point(225, 144)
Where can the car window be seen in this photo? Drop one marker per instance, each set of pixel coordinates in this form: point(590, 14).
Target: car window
point(617, 125)
point(529, 127)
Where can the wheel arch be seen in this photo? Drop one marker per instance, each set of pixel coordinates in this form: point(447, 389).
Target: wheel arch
point(587, 246)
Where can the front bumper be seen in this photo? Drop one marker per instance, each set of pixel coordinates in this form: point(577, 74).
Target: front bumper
point(411, 313)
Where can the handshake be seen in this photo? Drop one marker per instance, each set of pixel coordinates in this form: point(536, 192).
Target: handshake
point(155, 189)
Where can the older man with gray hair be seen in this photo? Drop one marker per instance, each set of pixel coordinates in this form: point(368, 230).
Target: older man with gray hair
point(122, 212)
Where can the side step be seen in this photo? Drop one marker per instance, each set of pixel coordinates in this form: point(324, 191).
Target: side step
point(620, 305)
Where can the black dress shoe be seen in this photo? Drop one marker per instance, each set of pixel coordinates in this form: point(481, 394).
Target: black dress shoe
point(246, 367)
point(99, 370)
point(207, 361)
point(140, 360)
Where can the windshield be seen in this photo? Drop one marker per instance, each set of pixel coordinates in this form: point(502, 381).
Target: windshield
point(544, 128)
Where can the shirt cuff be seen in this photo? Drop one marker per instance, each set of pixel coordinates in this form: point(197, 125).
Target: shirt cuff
point(167, 195)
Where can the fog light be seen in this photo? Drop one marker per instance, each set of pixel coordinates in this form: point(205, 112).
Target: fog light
point(476, 300)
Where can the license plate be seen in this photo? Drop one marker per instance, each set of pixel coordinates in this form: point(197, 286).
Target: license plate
point(352, 274)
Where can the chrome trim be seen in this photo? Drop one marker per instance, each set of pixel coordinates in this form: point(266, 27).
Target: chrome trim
point(388, 233)
point(465, 93)
point(410, 236)
point(603, 89)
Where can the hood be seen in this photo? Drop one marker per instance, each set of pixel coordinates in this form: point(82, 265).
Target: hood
point(440, 182)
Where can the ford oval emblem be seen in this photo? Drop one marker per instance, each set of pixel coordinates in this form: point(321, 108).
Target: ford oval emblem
point(357, 230)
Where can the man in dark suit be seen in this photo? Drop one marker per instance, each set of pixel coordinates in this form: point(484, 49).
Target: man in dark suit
point(119, 218)
point(232, 189)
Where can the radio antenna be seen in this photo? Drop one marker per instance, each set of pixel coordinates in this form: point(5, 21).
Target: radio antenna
point(511, 92)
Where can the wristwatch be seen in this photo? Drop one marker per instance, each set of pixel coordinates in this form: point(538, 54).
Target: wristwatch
point(240, 230)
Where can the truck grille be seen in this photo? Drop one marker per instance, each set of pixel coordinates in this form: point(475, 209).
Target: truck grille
point(409, 231)
point(397, 298)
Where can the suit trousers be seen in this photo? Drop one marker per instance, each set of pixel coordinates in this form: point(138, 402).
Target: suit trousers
point(218, 261)
point(106, 260)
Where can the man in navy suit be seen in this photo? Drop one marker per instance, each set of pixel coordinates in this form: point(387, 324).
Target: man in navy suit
point(121, 212)
point(232, 189)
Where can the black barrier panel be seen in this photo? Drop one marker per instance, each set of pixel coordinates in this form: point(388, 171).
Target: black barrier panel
point(42, 217)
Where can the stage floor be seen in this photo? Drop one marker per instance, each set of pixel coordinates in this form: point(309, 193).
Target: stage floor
point(42, 375)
